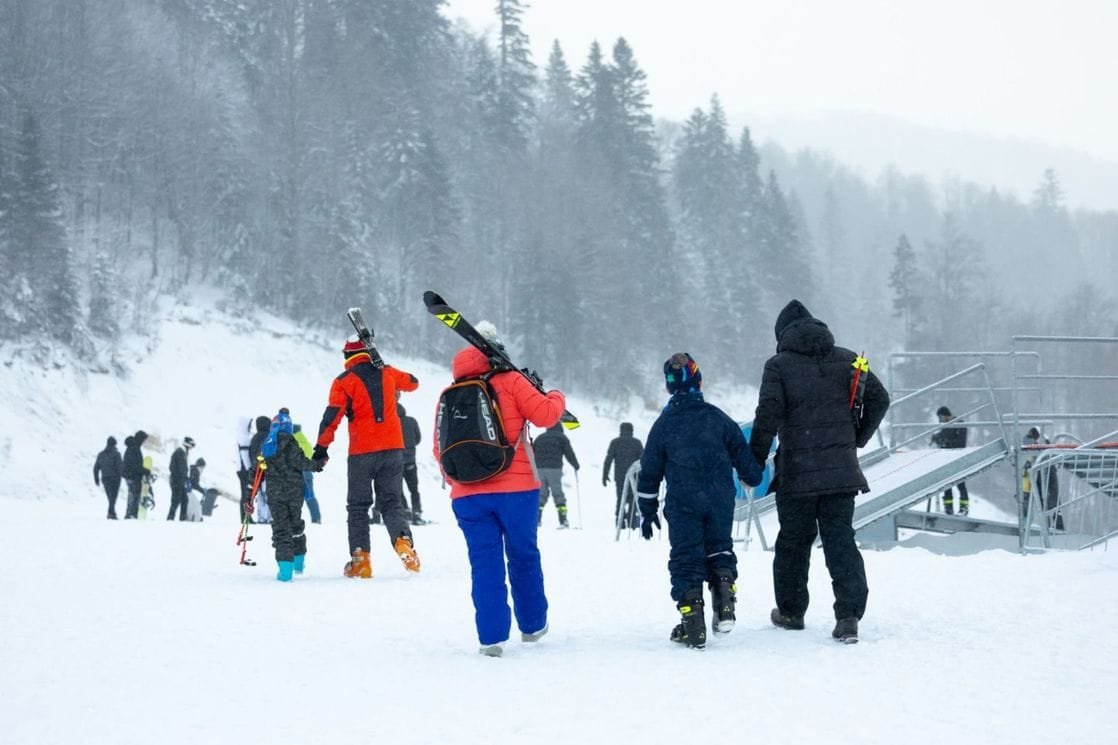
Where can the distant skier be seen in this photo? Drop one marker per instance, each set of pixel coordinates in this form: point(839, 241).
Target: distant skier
point(196, 508)
point(551, 448)
point(805, 399)
point(260, 506)
point(952, 437)
point(308, 476)
point(284, 476)
point(412, 438)
point(365, 395)
point(624, 450)
point(696, 448)
point(133, 471)
point(107, 471)
point(180, 475)
point(245, 464)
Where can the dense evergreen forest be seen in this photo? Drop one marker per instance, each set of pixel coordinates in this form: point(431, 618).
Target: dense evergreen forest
point(302, 156)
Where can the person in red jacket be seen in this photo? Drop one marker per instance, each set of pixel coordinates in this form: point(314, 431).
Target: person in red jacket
point(498, 516)
point(366, 396)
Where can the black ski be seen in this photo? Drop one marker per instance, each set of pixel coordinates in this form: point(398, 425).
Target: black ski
point(497, 356)
point(365, 334)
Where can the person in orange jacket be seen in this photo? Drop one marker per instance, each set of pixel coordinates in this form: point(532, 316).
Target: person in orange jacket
point(498, 515)
point(366, 396)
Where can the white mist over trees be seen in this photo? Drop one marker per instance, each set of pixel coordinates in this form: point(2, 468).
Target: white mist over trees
point(307, 155)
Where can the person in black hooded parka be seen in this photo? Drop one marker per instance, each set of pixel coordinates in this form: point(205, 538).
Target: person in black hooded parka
point(106, 473)
point(805, 399)
point(133, 471)
point(624, 451)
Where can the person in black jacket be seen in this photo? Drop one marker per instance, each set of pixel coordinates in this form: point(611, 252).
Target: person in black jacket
point(696, 448)
point(133, 471)
point(805, 398)
point(412, 438)
point(952, 437)
point(624, 450)
point(284, 476)
point(263, 424)
point(550, 449)
point(180, 475)
point(107, 472)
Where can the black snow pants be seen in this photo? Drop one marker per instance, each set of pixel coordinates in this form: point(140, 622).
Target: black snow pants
point(112, 489)
point(829, 516)
point(700, 531)
point(132, 511)
point(384, 472)
point(288, 536)
point(178, 499)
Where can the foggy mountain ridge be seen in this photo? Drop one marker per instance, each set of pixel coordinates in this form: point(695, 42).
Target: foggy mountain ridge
point(871, 143)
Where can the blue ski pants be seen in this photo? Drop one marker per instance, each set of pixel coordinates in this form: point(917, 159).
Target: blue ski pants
point(497, 526)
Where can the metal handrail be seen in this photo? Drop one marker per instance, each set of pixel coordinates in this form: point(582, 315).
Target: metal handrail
point(1104, 461)
point(938, 386)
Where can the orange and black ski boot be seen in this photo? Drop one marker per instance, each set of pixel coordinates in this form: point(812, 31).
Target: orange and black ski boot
point(359, 566)
point(405, 547)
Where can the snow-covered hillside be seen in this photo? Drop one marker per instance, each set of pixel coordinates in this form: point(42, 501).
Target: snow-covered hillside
point(139, 632)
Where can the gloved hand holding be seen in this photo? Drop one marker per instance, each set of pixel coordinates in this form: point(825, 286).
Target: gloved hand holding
point(319, 464)
point(319, 454)
point(649, 507)
point(250, 506)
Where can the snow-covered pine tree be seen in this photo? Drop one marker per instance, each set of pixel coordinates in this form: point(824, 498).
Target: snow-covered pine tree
point(40, 253)
point(713, 235)
point(906, 283)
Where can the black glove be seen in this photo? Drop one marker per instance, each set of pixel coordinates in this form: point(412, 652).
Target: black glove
point(319, 454)
point(647, 523)
point(318, 464)
point(605, 479)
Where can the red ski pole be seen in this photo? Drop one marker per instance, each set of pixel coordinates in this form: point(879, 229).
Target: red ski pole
point(857, 385)
point(243, 537)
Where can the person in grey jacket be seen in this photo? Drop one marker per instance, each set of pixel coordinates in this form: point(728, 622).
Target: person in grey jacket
point(550, 449)
point(107, 470)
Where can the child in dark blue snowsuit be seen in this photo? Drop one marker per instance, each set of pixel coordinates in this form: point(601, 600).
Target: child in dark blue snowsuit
point(695, 447)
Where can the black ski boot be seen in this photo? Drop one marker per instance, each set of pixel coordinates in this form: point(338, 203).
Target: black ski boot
point(792, 623)
point(723, 595)
point(692, 629)
point(846, 630)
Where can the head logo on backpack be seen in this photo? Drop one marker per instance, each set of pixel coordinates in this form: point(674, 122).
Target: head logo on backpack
point(281, 422)
point(472, 442)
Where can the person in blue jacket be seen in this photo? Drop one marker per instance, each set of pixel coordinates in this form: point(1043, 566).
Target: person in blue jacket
point(695, 447)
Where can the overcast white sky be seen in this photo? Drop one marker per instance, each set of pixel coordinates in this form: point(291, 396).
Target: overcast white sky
point(1036, 69)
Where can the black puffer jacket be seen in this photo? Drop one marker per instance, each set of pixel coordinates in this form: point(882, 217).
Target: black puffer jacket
point(623, 452)
point(108, 465)
point(284, 475)
point(552, 446)
point(805, 398)
point(133, 466)
point(412, 436)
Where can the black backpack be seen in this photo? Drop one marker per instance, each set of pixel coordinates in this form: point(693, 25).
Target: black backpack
point(472, 442)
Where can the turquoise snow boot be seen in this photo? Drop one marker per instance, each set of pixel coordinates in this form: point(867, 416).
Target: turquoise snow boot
point(299, 559)
point(285, 570)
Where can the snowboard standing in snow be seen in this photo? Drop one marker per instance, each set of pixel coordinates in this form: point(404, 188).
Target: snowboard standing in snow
point(147, 494)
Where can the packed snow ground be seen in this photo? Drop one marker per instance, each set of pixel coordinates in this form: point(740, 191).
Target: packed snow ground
point(140, 632)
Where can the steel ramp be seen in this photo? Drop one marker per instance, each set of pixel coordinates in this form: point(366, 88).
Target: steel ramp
point(897, 481)
point(907, 477)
